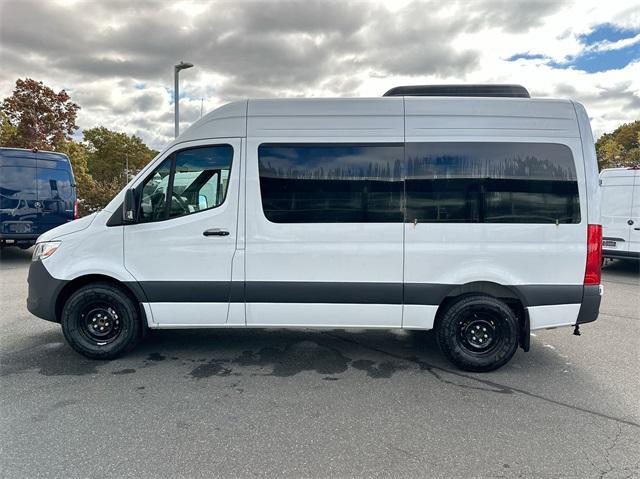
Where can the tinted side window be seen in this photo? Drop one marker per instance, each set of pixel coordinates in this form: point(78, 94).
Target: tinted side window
point(491, 183)
point(331, 183)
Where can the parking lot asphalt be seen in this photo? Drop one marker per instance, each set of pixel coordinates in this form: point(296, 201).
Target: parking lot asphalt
point(308, 403)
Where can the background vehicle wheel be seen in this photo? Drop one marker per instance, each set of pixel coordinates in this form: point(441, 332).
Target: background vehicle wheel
point(100, 321)
point(478, 333)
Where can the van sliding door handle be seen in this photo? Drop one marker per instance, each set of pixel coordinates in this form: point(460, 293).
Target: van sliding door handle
point(215, 232)
point(637, 229)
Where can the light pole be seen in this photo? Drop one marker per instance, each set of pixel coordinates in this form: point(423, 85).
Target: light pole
point(176, 96)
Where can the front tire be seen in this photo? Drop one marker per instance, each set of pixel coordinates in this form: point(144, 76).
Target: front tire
point(478, 333)
point(100, 321)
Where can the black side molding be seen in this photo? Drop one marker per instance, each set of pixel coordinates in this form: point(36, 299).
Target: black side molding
point(590, 306)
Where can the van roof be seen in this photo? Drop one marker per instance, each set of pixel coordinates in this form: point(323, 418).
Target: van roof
point(624, 171)
point(27, 153)
point(382, 117)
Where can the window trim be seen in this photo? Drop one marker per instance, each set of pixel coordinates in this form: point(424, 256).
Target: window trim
point(172, 156)
point(404, 200)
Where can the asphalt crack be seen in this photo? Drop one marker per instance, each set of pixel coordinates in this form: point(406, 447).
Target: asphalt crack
point(607, 453)
point(494, 387)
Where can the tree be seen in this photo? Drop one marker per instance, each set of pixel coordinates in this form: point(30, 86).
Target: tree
point(621, 147)
point(112, 152)
point(7, 130)
point(38, 117)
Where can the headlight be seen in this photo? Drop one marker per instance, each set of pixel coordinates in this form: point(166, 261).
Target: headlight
point(44, 250)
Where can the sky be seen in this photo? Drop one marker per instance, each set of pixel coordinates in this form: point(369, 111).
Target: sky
point(116, 58)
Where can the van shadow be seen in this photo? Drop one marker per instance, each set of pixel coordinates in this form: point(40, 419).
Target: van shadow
point(332, 355)
point(621, 269)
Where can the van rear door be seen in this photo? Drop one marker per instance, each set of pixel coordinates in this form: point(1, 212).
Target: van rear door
point(55, 193)
point(617, 192)
point(18, 199)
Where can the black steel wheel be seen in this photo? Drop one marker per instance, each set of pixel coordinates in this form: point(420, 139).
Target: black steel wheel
point(478, 333)
point(101, 321)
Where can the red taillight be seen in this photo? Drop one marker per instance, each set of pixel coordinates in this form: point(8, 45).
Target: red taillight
point(75, 210)
point(594, 254)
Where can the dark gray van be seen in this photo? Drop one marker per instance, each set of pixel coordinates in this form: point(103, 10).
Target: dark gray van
point(37, 193)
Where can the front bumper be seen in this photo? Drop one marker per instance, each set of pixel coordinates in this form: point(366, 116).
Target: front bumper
point(18, 239)
point(613, 254)
point(44, 290)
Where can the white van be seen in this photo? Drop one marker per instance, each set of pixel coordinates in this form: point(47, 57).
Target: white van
point(475, 214)
point(621, 213)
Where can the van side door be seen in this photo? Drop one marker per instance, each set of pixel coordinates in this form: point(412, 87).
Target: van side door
point(324, 249)
point(181, 249)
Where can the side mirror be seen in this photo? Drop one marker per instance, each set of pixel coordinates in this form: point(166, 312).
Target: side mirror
point(130, 207)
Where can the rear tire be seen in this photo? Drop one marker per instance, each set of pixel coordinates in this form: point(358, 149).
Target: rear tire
point(478, 333)
point(100, 321)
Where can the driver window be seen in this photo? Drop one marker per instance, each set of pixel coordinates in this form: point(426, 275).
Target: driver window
point(199, 181)
point(154, 193)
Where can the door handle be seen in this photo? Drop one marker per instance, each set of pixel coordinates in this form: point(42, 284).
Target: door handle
point(637, 229)
point(215, 232)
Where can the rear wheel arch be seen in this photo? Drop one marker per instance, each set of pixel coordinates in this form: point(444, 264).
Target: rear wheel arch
point(478, 332)
point(510, 296)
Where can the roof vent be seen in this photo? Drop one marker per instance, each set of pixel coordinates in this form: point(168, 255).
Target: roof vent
point(503, 91)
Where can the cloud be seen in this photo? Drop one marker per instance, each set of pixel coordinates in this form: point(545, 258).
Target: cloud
point(116, 57)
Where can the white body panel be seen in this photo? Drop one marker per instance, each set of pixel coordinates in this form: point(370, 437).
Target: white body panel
point(505, 254)
point(620, 210)
point(321, 252)
point(258, 251)
point(542, 317)
point(322, 315)
point(176, 251)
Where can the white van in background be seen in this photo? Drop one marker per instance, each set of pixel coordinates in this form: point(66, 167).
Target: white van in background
point(471, 210)
point(621, 213)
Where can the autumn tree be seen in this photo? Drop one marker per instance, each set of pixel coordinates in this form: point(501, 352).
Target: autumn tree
point(112, 152)
point(7, 130)
point(620, 147)
point(37, 116)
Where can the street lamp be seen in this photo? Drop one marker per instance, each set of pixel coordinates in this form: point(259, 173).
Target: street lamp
point(176, 97)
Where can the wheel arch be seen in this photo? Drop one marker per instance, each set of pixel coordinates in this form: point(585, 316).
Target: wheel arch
point(131, 289)
point(509, 295)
